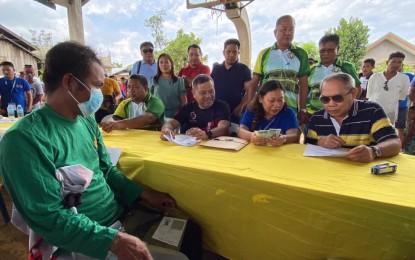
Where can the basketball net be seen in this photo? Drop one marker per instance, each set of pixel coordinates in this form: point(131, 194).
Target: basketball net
point(217, 11)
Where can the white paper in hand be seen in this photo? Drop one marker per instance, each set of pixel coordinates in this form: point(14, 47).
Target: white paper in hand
point(184, 140)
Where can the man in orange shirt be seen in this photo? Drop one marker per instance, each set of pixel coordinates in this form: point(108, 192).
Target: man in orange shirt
point(112, 96)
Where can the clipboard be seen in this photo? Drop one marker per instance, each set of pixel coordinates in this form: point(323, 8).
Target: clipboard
point(226, 142)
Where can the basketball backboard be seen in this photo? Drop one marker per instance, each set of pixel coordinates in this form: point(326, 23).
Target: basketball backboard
point(212, 4)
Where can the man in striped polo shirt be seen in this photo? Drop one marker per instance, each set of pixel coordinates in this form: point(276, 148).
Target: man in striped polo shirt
point(347, 122)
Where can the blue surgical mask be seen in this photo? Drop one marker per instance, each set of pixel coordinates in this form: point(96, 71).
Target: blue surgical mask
point(90, 106)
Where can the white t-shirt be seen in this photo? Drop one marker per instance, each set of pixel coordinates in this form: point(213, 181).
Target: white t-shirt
point(363, 81)
point(136, 109)
point(398, 88)
point(36, 88)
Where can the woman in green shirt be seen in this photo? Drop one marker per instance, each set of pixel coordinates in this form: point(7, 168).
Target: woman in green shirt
point(167, 86)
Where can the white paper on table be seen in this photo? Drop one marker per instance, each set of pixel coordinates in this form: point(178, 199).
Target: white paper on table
point(115, 154)
point(184, 140)
point(5, 120)
point(315, 150)
point(170, 230)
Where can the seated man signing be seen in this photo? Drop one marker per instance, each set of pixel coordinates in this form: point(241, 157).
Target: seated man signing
point(346, 122)
point(142, 110)
point(205, 117)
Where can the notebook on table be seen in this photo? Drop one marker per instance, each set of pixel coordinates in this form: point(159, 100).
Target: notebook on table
point(226, 142)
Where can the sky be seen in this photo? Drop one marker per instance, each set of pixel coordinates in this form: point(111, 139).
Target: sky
point(117, 26)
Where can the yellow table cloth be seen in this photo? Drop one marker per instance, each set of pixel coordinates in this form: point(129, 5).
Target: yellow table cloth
point(274, 203)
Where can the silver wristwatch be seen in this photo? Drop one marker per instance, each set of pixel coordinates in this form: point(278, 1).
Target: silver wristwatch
point(376, 150)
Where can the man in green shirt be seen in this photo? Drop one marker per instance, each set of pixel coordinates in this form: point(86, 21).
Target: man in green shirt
point(63, 133)
point(286, 63)
point(329, 64)
point(142, 110)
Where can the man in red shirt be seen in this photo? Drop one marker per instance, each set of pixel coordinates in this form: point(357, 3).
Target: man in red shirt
point(193, 68)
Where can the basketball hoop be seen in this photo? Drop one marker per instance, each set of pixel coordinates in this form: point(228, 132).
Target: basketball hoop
point(217, 7)
point(217, 11)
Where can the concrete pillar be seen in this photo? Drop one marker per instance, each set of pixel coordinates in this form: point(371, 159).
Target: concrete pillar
point(240, 19)
point(75, 19)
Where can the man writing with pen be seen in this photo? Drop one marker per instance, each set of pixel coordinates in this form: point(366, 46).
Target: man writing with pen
point(205, 117)
point(346, 122)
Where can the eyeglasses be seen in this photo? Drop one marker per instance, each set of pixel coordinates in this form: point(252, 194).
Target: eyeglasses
point(147, 51)
point(335, 98)
point(385, 87)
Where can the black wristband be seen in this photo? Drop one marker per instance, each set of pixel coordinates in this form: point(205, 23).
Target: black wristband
point(209, 134)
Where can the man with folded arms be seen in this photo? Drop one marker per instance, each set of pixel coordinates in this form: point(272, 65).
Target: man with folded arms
point(347, 122)
point(205, 117)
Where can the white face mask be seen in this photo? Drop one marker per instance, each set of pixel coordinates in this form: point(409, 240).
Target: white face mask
point(90, 106)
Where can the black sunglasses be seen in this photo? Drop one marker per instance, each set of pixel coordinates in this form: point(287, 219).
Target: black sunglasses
point(148, 51)
point(385, 87)
point(335, 98)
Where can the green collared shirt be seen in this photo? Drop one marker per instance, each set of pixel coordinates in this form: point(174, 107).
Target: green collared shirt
point(318, 73)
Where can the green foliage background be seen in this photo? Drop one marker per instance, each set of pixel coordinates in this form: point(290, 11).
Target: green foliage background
point(354, 35)
point(177, 47)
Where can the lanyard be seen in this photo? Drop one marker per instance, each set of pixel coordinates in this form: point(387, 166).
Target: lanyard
point(269, 124)
point(14, 84)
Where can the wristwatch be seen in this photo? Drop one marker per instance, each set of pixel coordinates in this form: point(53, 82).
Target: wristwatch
point(376, 150)
point(209, 134)
point(284, 138)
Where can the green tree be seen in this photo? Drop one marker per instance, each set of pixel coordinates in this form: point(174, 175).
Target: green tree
point(177, 48)
point(155, 24)
point(311, 49)
point(41, 39)
point(382, 67)
point(117, 64)
point(354, 35)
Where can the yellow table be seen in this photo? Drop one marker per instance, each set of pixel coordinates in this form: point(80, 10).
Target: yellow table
point(274, 203)
point(5, 124)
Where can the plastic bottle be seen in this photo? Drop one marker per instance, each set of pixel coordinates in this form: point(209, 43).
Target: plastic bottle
point(20, 112)
point(10, 112)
